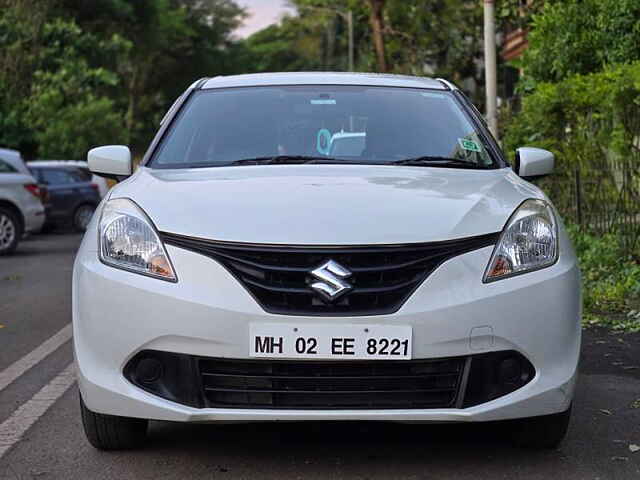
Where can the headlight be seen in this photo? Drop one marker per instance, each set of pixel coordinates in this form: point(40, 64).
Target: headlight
point(528, 242)
point(128, 240)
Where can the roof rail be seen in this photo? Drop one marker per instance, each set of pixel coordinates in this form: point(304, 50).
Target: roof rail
point(198, 83)
point(447, 84)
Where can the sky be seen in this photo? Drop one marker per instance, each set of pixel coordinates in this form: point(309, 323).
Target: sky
point(262, 13)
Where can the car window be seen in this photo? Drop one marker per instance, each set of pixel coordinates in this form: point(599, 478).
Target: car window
point(80, 175)
point(375, 125)
point(55, 176)
point(6, 168)
point(490, 139)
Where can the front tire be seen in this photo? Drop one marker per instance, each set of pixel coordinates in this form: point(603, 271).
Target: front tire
point(82, 216)
point(108, 432)
point(10, 231)
point(545, 432)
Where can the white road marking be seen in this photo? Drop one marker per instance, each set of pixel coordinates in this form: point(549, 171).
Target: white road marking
point(14, 427)
point(15, 370)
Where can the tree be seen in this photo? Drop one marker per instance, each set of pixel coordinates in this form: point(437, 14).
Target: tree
point(21, 26)
point(315, 38)
point(172, 42)
point(74, 69)
point(284, 47)
point(580, 37)
point(52, 101)
point(68, 108)
point(436, 37)
point(376, 19)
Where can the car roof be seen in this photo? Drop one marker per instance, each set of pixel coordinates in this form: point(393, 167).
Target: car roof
point(9, 152)
point(13, 158)
point(58, 163)
point(324, 78)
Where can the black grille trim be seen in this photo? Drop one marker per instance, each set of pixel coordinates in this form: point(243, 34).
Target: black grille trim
point(450, 382)
point(332, 385)
point(384, 276)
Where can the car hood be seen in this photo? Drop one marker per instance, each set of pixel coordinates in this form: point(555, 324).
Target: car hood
point(327, 204)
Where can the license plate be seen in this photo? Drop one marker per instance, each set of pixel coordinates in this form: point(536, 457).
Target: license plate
point(335, 342)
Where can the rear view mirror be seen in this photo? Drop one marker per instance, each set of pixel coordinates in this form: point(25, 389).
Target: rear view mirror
point(112, 161)
point(533, 162)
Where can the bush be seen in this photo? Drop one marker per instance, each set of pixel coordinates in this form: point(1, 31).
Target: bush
point(599, 110)
point(592, 124)
point(610, 281)
point(581, 36)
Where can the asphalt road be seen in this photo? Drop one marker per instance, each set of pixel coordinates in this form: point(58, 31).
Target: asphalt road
point(35, 304)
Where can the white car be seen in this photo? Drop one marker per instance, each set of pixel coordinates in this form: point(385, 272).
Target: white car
point(21, 209)
point(242, 274)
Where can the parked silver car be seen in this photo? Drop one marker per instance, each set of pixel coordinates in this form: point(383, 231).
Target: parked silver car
point(21, 208)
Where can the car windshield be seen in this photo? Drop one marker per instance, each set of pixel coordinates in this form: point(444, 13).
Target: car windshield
point(322, 124)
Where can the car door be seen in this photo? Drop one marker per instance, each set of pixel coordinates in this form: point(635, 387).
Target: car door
point(62, 190)
point(85, 189)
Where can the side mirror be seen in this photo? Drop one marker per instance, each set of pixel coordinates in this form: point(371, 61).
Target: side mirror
point(112, 161)
point(533, 162)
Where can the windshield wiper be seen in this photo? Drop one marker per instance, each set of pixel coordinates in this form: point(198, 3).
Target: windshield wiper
point(285, 159)
point(432, 161)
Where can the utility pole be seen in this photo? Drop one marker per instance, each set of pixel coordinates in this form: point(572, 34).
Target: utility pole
point(351, 46)
point(490, 69)
point(348, 17)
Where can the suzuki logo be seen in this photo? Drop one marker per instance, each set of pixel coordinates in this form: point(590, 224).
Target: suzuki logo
point(332, 284)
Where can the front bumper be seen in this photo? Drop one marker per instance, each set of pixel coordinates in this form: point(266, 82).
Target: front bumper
point(117, 314)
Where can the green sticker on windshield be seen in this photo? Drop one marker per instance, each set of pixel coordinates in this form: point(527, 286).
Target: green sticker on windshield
point(469, 145)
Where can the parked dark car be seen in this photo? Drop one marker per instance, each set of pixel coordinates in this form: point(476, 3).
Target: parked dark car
point(69, 196)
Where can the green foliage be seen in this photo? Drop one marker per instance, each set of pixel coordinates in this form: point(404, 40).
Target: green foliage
point(20, 41)
point(77, 127)
point(591, 123)
point(69, 110)
point(283, 48)
point(582, 114)
point(63, 108)
point(611, 281)
point(443, 35)
point(516, 13)
point(582, 101)
point(74, 74)
point(433, 37)
point(581, 36)
point(315, 38)
point(171, 43)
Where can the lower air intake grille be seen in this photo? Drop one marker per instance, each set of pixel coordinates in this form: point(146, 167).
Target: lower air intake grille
point(327, 385)
point(453, 382)
point(381, 278)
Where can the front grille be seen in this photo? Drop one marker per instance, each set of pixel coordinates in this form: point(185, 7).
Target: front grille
point(328, 385)
point(453, 382)
point(383, 277)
